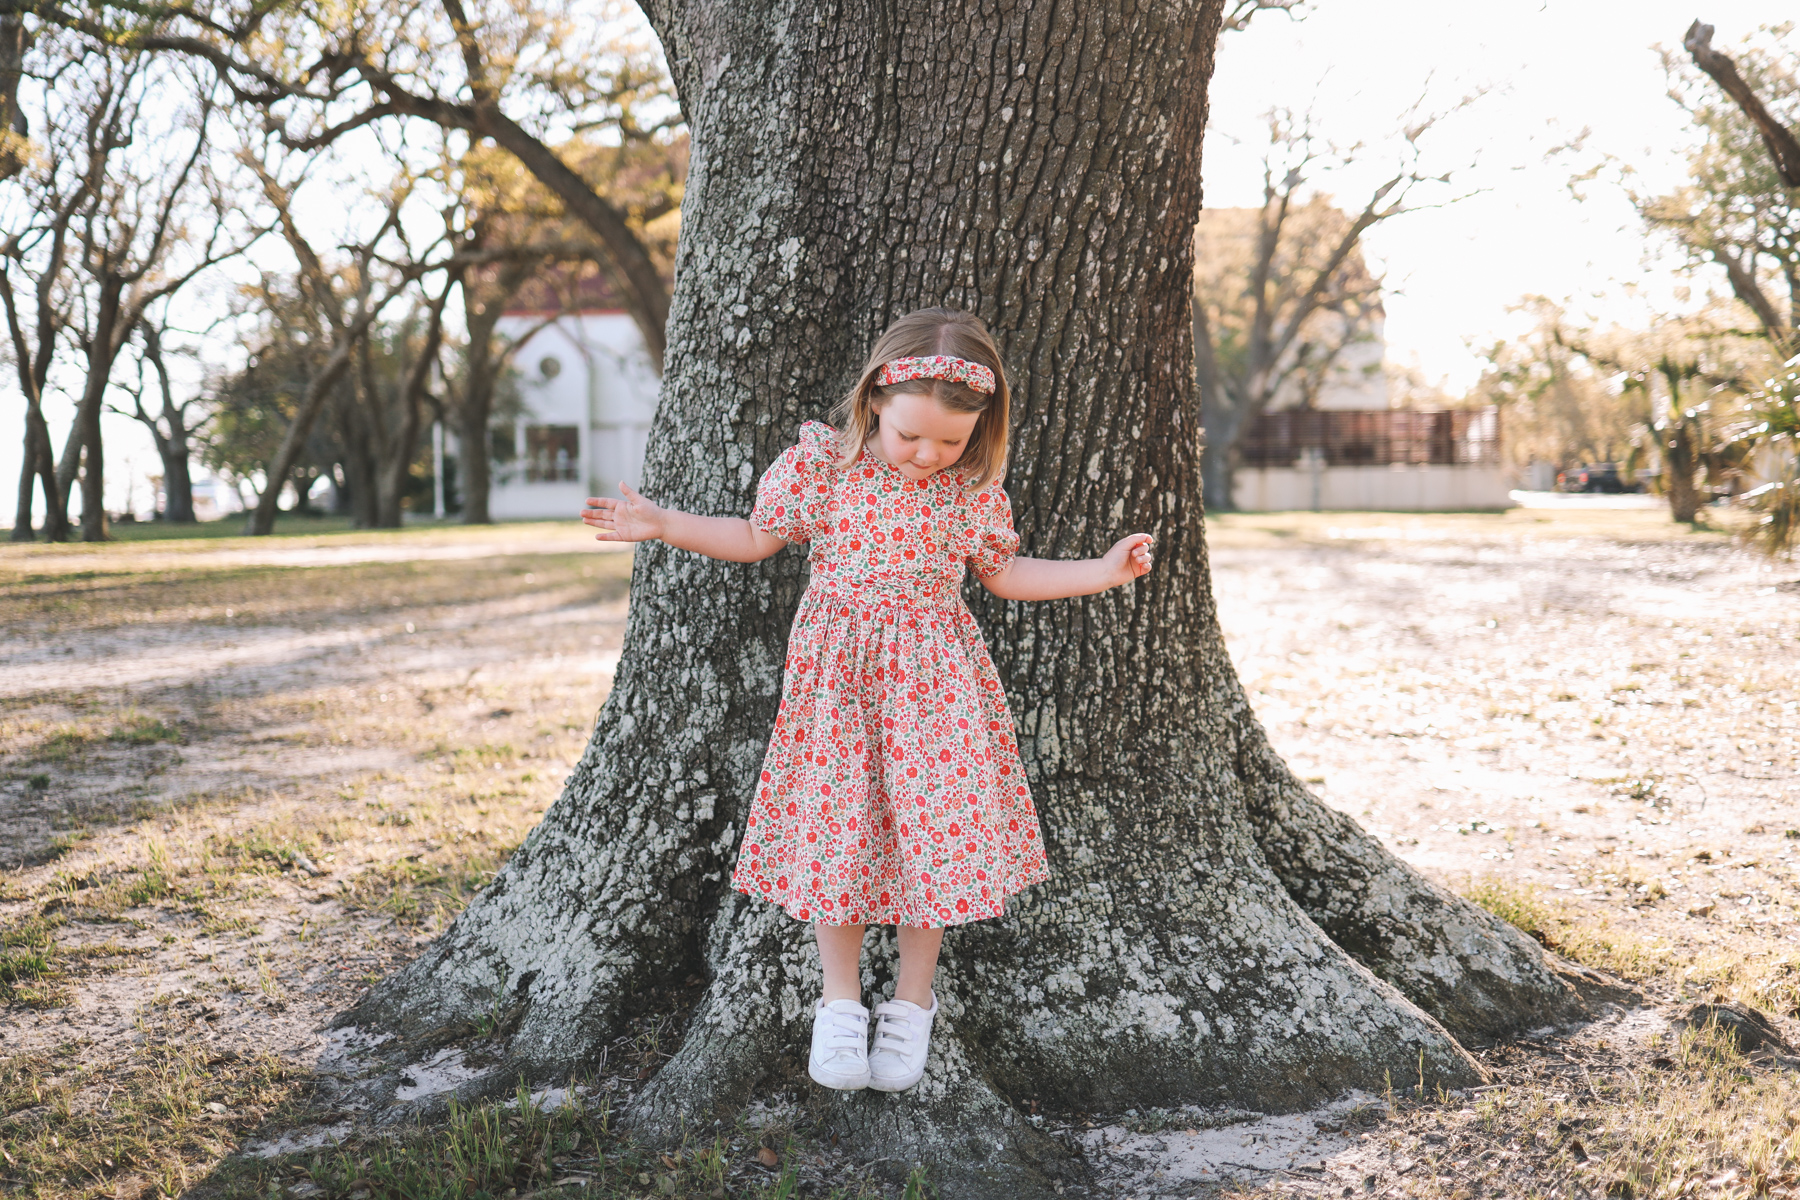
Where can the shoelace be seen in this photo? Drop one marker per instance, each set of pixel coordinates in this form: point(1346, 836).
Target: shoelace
point(845, 1033)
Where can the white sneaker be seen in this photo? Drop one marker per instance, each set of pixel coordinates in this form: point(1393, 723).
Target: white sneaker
point(902, 1041)
point(840, 1046)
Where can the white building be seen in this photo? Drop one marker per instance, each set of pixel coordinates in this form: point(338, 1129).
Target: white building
point(588, 393)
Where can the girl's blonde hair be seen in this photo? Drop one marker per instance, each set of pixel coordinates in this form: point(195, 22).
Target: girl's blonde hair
point(933, 331)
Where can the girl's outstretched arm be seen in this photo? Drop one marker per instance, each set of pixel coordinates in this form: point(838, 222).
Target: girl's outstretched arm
point(1055, 579)
point(635, 519)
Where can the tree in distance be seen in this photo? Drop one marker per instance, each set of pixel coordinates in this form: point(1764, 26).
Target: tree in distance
point(1282, 292)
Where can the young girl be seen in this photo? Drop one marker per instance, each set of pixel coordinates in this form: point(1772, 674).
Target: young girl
point(892, 792)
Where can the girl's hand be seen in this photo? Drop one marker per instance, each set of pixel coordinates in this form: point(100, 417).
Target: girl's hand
point(633, 519)
point(1130, 558)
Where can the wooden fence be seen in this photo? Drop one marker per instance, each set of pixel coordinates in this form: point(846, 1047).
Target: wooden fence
point(1372, 438)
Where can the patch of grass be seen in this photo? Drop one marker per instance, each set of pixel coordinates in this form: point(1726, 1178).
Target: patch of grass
point(153, 1127)
point(63, 744)
point(141, 729)
point(1591, 942)
point(1521, 907)
point(260, 852)
point(35, 969)
point(521, 1147)
point(29, 973)
point(416, 892)
point(149, 887)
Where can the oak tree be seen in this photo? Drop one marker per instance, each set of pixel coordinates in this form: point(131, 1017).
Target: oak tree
point(1212, 932)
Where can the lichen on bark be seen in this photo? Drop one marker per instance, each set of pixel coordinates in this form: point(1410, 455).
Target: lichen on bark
point(1211, 934)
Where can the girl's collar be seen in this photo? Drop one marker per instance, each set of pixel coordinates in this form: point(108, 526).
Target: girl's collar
point(905, 478)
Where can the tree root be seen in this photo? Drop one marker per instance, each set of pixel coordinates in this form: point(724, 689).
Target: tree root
point(1480, 977)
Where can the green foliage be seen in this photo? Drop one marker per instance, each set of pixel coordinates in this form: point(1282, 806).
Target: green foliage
point(1777, 434)
point(1517, 906)
point(143, 730)
point(1734, 208)
point(28, 967)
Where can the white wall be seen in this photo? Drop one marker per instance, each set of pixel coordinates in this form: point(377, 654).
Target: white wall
point(603, 385)
point(1399, 488)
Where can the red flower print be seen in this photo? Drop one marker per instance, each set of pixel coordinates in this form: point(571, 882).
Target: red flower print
point(886, 680)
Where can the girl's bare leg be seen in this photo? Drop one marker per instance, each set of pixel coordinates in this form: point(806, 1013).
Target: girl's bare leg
point(918, 963)
point(840, 953)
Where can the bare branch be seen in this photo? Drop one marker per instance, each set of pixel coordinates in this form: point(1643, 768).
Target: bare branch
point(1783, 147)
point(1238, 18)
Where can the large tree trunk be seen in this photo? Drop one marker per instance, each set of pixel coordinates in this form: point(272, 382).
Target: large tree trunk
point(1218, 457)
point(1681, 462)
point(178, 481)
point(475, 472)
point(84, 455)
point(28, 472)
point(1038, 165)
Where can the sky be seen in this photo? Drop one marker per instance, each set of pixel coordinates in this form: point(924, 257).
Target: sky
point(1546, 70)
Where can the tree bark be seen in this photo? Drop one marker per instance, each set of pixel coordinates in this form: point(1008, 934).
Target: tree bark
point(1681, 463)
point(1039, 166)
point(484, 303)
point(84, 454)
point(1778, 139)
point(173, 446)
point(395, 464)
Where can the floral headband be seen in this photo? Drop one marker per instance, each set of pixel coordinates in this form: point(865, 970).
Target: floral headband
point(938, 366)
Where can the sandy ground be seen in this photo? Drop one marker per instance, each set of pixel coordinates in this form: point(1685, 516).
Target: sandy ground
point(1543, 709)
point(1582, 704)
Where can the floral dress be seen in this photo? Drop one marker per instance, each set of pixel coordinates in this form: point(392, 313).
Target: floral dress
point(892, 792)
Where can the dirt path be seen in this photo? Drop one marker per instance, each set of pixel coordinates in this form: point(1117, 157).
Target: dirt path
point(1549, 710)
point(236, 785)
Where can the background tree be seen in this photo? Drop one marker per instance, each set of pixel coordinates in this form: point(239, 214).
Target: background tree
point(345, 298)
point(1558, 408)
point(1666, 396)
point(1742, 210)
point(251, 406)
point(81, 118)
point(1741, 206)
point(1774, 434)
point(509, 72)
point(1281, 293)
point(156, 215)
point(40, 207)
point(1212, 932)
point(173, 428)
point(552, 254)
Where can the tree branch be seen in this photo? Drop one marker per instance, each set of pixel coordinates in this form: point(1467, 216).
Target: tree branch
point(1784, 148)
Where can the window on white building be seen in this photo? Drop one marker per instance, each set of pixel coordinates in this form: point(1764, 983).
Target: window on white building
point(552, 453)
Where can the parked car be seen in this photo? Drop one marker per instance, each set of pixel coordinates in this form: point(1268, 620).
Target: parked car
point(1592, 477)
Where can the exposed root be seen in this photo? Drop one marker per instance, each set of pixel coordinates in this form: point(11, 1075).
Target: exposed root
point(752, 1023)
point(976, 1145)
point(1480, 977)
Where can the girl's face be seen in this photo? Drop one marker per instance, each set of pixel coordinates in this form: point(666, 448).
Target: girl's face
point(918, 436)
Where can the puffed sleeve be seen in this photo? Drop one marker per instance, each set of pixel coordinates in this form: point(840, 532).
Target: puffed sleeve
point(792, 496)
point(996, 545)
